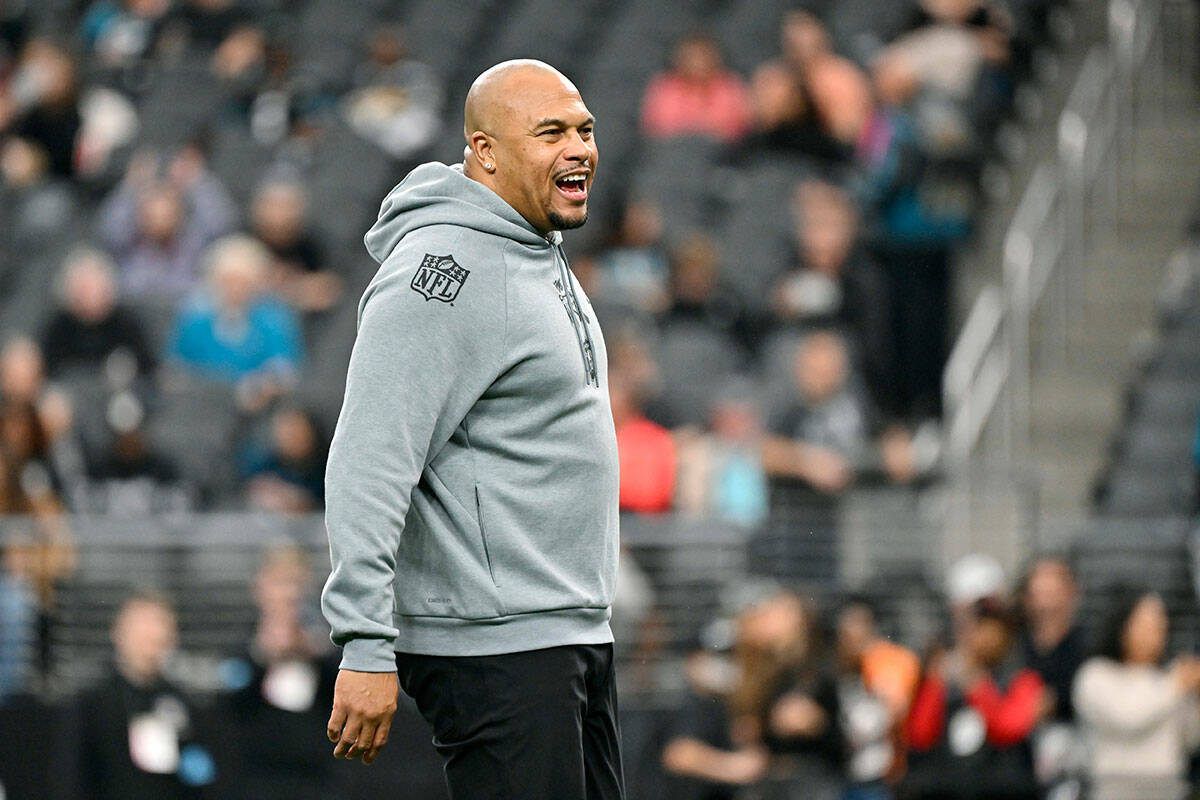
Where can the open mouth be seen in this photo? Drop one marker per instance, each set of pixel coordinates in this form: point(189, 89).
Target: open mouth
point(573, 187)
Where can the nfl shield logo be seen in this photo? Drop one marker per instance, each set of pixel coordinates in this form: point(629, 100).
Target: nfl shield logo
point(439, 278)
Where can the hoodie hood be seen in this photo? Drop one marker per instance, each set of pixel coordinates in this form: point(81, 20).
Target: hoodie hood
point(438, 194)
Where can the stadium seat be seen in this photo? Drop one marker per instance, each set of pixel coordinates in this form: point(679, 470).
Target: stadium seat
point(1152, 554)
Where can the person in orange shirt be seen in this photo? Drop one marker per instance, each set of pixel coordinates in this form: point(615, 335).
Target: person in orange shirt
point(877, 681)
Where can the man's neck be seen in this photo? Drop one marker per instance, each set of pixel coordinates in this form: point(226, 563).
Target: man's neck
point(473, 172)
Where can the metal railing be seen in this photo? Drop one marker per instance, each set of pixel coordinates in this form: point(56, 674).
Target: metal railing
point(1051, 235)
point(206, 562)
point(675, 579)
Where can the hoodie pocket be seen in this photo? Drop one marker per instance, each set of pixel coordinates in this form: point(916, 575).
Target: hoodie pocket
point(487, 555)
point(443, 566)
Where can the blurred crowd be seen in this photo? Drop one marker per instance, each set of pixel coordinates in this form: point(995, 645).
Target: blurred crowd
point(1014, 699)
point(1016, 695)
point(143, 281)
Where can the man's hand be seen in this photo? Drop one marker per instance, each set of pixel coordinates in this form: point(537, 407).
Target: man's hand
point(363, 705)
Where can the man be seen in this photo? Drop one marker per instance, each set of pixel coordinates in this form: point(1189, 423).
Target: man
point(1053, 642)
point(471, 488)
point(137, 735)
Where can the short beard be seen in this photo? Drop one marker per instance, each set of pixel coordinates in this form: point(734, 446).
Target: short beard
point(562, 224)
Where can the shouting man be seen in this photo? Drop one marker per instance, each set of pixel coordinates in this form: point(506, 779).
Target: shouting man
point(471, 489)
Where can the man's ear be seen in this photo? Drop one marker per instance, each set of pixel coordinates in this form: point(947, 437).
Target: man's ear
point(482, 149)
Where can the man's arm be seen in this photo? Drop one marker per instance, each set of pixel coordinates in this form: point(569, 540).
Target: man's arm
point(417, 368)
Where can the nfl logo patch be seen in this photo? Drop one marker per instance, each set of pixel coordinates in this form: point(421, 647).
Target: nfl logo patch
point(439, 278)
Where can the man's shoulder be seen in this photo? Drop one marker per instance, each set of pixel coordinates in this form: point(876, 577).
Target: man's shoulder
point(443, 265)
point(467, 247)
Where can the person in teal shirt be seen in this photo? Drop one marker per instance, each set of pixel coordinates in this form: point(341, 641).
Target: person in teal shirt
point(236, 329)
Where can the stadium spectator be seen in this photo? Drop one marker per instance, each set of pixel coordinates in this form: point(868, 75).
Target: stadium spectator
point(41, 103)
point(138, 735)
point(645, 450)
point(25, 445)
point(39, 553)
point(970, 579)
point(37, 204)
point(1142, 717)
point(1052, 639)
point(282, 687)
point(822, 436)
point(835, 282)
point(298, 273)
point(699, 295)
point(121, 33)
point(700, 754)
point(23, 384)
point(793, 703)
point(974, 714)
point(812, 451)
point(131, 477)
point(269, 100)
point(989, 22)
point(1052, 644)
point(784, 121)
point(22, 371)
point(918, 209)
point(948, 64)
point(396, 101)
point(720, 469)
point(837, 88)
point(698, 95)
point(29, 488)
point(288, 475)
point(771, 709)
point(18, 614)
point(632, 272)
point(90, 326)
point(700, 334)
point(877, 681)
point(237, 331)
point(240, 59)
point(158, 226)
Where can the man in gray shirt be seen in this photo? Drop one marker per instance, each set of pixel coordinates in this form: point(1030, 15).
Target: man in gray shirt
point(471, 490)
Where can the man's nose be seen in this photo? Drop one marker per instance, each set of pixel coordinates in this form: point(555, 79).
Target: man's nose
point(580, 149)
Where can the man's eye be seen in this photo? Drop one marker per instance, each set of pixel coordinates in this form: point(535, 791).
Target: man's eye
point(551, 132)
point(586, 132)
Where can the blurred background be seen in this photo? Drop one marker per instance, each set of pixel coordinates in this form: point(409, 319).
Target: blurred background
point(903, 320)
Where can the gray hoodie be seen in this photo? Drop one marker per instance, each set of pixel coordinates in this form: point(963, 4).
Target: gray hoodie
point(471, 490)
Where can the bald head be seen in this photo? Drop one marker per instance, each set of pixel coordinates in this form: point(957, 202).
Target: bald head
point(529, 139)
point(499, 92)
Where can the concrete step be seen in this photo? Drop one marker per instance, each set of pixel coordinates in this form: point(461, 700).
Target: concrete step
point(1079, 374)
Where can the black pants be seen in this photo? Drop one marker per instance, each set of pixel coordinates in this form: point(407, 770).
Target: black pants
point(536, 725)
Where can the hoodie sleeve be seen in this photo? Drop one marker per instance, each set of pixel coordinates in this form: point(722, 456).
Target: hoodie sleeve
point(418, 366)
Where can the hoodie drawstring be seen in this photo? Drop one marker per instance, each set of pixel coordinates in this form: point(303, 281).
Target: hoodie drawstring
point(566, 293)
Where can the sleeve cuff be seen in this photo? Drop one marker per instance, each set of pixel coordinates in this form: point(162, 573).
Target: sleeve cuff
point(369, 655)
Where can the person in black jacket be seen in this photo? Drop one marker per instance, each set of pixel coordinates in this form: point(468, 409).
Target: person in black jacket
point(282, 687)
point(90, 326)
point(138, 732)
point(835, 282)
